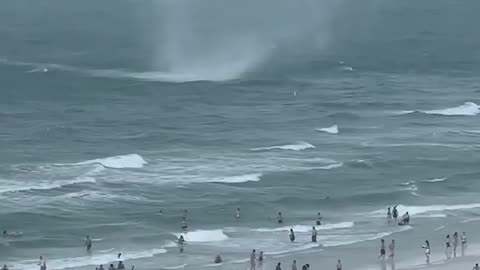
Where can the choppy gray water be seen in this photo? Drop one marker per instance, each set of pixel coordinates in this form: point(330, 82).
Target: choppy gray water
point(111, 111)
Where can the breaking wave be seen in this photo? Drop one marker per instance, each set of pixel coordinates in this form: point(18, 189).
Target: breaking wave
point(293, 147)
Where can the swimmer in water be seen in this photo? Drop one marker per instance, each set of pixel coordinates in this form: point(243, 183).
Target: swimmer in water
point(464, 243)
point(184, 225)
point(382, 250)
point(455, 244)
point(111, 267)
point(253, 260)
point(395, 212)
point(292, 235)
point(447, 247)
point(389, 214)
point(4, 267)
point(279, 218)
point(120, 265)
point(88, 243)
point(218, 259)
point(319, 219)
point(181, 243)
point(237, 214)
point(42, 263)
point(101, 267)
point(339, 265)
point(314, 235)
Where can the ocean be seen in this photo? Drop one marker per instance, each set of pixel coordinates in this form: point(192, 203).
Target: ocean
point(115, 116)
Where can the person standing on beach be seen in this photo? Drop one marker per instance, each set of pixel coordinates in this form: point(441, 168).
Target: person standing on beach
point(294, 265)
point(464, 243)
point(447, 247)
point(339, 265)
point(292, 235)
point(278, 267)
point(253, 260)
point(455, 244)
point(382, 250)
point(260, 260)
point(476, 267)
point(389, 214)
point(88, 243)
point(314, 235)
point(4, 267)
point(427, 251)
point(391, 248)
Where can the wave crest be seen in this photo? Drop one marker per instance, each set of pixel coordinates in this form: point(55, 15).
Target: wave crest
point(467, 109)
point(293, 147)
point(204, 236)
point(117, 162)
point(332, 130)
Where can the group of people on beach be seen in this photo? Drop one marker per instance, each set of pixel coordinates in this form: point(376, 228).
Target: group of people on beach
point(393, 214)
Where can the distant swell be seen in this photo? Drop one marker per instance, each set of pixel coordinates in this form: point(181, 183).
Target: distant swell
point(116, 162)
point(4, 188)
point(467, 109)
point(331, 166)
point(293, 147)
point(331, 130)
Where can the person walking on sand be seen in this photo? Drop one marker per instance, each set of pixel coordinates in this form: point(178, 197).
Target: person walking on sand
point(253, 260)
point(455, 244)
point(464, 243)
point(382, 250)
point(339, 265)
point(447, 247)
point(391, 248)
point(294, 265)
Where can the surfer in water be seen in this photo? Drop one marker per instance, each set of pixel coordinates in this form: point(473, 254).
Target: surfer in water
point(181, 243)
point(253, 260)
point(319, 219)
point(292, 235)
point(314, 234)
point(88, 243)
point(279, 218)
point(464, 243)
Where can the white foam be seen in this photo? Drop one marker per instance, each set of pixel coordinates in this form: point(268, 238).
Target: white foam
point(95, 260)
point(416, 210)
point(203, 236)
point(294, 147)
point(332, 130)
point(118, 162)
point(254, 177)
point(435, 180)
point(467, 109)
point(174, 267)
point(356, 238)
point(305, 228)
point(170, 244)
point(12, 186)
point(331, 166)
point(294, 249)
point(470, 220)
